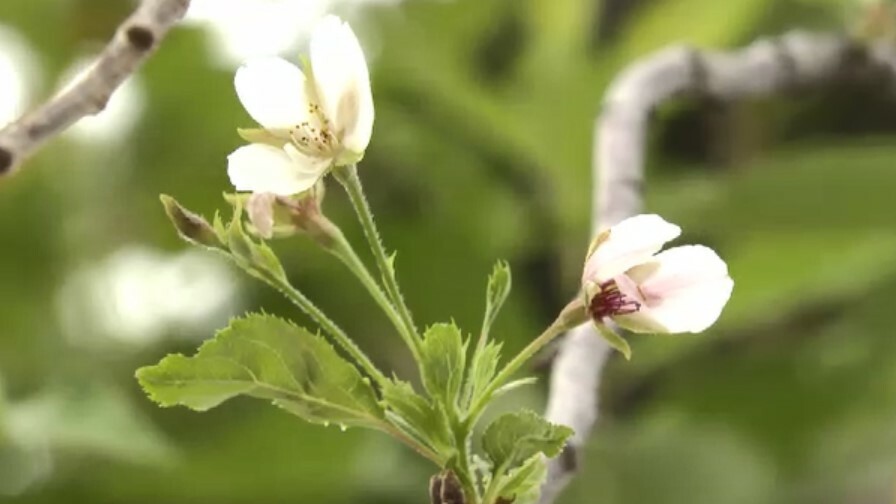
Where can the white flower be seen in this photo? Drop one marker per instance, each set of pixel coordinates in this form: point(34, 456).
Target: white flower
point(310, 122)
point(628, 279)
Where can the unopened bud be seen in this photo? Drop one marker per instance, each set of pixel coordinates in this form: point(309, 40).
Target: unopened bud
point(273, 216)
point(445, 488)
point(260, 208)
point(190, 226)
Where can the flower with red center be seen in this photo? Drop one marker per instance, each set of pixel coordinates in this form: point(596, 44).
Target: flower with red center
point(629, 281)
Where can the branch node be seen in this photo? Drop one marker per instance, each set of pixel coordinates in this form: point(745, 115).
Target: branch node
point(140, 37)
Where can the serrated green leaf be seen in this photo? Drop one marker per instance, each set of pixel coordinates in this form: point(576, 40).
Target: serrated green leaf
point(426, 420)
point(483, 368)
point(268, 358)
point(522, 485)
point(514, 437)
point(499, 283)
point(443, 355)
point(615, 340)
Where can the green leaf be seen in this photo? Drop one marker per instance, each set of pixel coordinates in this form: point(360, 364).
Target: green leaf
point(268, 358)
point(443, 353)
point(514, 437)
point(515, 384)
point(483, 368)
point(522, 485)
point(420, 417)
point(499, 283)
point(615, 340)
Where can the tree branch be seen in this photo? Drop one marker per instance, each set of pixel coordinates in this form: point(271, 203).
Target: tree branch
point(134, 41)
point(764, 68)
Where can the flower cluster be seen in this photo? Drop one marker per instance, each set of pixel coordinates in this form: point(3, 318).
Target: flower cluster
point(322, 117)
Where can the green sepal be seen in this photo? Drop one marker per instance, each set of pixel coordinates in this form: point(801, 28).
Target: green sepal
point(614, 340)
point(275, 138)
point(254, 257)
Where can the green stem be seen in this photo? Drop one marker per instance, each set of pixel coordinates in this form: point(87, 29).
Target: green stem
point(570, 316)
point(325, 323)
point(489, 497)
point(348, 177)
point(554, 330)
point(343, 250)
point(465, 475)
point(417, 447)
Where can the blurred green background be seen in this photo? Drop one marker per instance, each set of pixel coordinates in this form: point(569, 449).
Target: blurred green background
point(481, 150)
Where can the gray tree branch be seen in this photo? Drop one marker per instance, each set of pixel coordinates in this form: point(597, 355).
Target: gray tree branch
point(134, 41)
point(764, 68)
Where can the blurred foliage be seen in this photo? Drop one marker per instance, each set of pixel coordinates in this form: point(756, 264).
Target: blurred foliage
point(481, 150)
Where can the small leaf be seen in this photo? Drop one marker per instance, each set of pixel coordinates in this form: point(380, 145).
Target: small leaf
point(190, 226)
point(483, 367)
point(615, 340)
point(499, 283)
point(443, 353)
point(522, 485)
point(515, 384)
point(268, 358)
point(514, 437)
point(426, 420)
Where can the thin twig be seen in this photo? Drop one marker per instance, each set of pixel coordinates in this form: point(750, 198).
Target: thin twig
point(134, 41)
point(764, 68)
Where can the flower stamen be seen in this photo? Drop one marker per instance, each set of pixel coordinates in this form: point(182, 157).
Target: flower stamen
point(314, 137)
point(610, 301)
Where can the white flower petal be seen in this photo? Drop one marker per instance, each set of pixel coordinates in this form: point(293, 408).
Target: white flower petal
point(263, 168)
point(629, 243)
point(684, 288)
point(342, 82)
point(273, 92)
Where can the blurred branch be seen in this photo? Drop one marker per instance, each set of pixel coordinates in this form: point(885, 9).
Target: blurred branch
point(134, 41)
point(764, 68)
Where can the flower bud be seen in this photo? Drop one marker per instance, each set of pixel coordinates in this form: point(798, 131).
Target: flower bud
point(190, 226)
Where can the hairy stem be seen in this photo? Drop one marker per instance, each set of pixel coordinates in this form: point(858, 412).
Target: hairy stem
point(465, 474)
point(424, 451)
point(348, 177)
point(325, 323)
point(573, 314)
point(343, 250)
